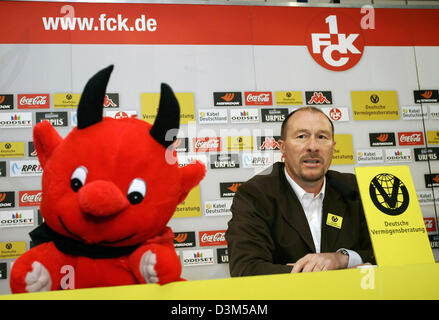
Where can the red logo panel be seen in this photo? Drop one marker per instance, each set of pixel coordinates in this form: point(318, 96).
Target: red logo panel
point(212, 238)
point(33, 101)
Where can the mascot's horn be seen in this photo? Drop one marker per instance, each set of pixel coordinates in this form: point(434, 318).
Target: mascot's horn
point(167, 121)
point(91, 104)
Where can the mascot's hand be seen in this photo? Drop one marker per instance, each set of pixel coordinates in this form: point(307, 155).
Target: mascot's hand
point(147, 264)
point(156, 263)
point(38, 279)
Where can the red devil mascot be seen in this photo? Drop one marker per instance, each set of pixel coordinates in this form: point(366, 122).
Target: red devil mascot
point(109, 190)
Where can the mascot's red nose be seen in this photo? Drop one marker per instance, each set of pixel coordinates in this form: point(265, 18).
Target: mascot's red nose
point(101, 199)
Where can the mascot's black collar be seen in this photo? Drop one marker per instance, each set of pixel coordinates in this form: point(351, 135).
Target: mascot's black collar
point(74, 247)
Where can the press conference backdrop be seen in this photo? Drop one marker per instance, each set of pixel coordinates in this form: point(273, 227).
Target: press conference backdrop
point(237, 71)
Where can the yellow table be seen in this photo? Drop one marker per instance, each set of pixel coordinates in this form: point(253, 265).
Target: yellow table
point(391, 282)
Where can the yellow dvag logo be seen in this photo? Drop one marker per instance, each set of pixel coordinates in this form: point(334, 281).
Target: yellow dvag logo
point(66, 100)
point(289, 98)
point(375, 105)
point(11, 149)
point(240, 143)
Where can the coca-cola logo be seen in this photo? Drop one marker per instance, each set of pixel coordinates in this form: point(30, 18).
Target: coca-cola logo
point(207, 144)
point(30, 198)
point(258, 98)
point(33, 101)
point(212, 238)
point(410, 138)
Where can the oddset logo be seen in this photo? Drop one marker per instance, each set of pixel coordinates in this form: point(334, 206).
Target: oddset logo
point(335, 42)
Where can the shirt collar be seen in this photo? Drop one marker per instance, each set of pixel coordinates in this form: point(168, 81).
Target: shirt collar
point(300, 192)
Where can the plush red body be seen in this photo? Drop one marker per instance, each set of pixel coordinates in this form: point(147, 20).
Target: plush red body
point(92, 183)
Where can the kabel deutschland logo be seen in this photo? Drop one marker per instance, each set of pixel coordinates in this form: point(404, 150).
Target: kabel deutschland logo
point(389, 194)
point(335, 42)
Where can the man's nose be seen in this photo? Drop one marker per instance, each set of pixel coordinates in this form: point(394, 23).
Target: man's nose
point(312, 144)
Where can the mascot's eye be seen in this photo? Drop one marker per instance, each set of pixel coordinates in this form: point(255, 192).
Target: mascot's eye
point(78, 178)
point(136, 191)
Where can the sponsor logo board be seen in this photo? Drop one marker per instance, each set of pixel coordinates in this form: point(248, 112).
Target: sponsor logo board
point(11, 149)
point(17, 218)
point(426, 96)
point(244, 115)
point(431, 180)
point(375, 105)
point(411, 138)
point(274, 115)
point(258, 98)
point(240, 143)
point(370, 156)
point(256, 160)
point(12, 249)
point(184, 239)
point(398, 155)
point(228, 189)
point(150, 101)
point(198, 257)
point(337, 114)
point(268, 143)
point(120, 114)
point(7, 199)
point(15, 120)
point(426, 154)
point(318, 97)
point(207, 144)
point(382, 139)
point(66, 100)
point(344, 150)
point(6, 101)
point(218, 207)
point(288, 98)
point(56, 119)
point(25, 168)
point(30, 198)
point(226, 99)
point(414, 113)
point(33, 101)
point(224, 161)
point(206, 116)
point(212, 238)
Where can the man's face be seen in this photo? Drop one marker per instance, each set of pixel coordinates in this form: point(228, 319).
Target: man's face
point(308, 147)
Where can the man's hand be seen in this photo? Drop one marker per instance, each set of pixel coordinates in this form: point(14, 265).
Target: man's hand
point(320, 262)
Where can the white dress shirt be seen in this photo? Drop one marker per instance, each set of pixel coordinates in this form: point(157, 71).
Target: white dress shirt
point(313, 207)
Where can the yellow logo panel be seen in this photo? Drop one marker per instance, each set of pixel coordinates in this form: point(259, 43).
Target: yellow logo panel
point(289, 98)
point(11, 149)
point(149, 103)
point(191, 206)
point(394, 218)
point(375, 105)
point(433, 137)
point(334, 221)
point(12, 250)
point(240, 143)
point(343, 151)
point(66, 100)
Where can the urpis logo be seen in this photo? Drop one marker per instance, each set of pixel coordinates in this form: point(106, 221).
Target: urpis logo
point(339, 49)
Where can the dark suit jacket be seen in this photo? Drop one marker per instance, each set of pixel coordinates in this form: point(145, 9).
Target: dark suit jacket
point(269, 229)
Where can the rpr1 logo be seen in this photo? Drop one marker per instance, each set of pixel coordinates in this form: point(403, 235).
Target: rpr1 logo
point(336, 42)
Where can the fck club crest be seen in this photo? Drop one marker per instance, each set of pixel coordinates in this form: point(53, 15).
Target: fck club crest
point(335, 42)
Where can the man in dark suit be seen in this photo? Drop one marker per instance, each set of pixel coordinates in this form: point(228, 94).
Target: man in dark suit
point(298, 216)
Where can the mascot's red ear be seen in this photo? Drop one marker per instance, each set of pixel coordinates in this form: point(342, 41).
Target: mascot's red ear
point(193, 173)
point(46, 139)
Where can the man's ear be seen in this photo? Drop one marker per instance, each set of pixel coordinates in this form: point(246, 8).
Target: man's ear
point(46, 139)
